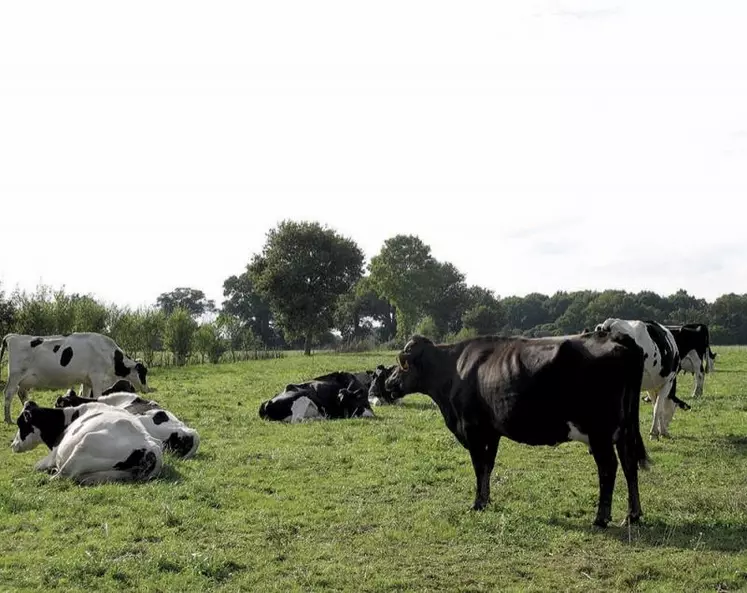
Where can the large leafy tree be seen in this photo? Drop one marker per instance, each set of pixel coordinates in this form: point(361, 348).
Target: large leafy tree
point(189, 299)
point(245, 303)
point(401, 273)
point(359, 308)
point(302, 272)
point(448, 297)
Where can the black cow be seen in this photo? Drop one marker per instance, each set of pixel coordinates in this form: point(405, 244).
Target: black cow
point(377, 392)
point(335, 395)
point(537, 391)
point(696, 356)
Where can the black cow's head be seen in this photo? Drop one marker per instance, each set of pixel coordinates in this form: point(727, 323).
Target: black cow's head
point(408, 376)
point(377, 390)
point(354, 403)
point(121, 386)
point(69, 400)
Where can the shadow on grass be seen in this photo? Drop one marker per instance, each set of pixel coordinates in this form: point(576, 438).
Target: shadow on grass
point(736, 443)
point(717, 537)
point(169, 474)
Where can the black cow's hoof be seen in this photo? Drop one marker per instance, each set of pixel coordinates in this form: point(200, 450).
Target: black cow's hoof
point(601, 523)
point(630, 520)
point(479, 505)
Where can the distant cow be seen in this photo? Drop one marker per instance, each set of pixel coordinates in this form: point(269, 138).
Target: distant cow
point(536, 391)
point(177, 437)
point(377, 392)
point(90, 444)
point(58, 362)
point(660, 367)
point(696, 356)
point(335, 395)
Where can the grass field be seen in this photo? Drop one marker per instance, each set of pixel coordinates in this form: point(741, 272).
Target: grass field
point(380, 504)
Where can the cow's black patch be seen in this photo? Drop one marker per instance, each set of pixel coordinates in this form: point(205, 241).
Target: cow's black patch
point(134, 460)
point(56, 348)
point(66, 356)
point(670, 360)
point(179, 445)
point(160, 417)
point(654, 363)
point(36, 341)
point(75, 416)
point(140, 463)
point(120, 368)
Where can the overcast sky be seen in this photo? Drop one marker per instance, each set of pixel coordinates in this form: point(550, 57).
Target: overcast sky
point(536, 145)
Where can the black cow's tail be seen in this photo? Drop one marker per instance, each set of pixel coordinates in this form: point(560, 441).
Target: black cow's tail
point(632, 396)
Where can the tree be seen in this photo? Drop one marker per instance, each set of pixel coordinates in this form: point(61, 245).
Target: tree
point(209, 342)
point(302, 272)
point(246, 304)
point(400, 273)
point(7, 314)
point(485, 320)
point(448, 297)
point(189, 299)
point(179, 335)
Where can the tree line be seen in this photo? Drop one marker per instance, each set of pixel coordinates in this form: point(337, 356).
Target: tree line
point(309, 288)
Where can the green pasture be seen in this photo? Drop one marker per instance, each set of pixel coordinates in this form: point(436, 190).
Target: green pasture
point(380, 504)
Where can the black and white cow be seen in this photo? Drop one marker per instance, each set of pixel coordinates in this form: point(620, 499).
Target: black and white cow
point(58, 362)
point(91, 444)
point(660, 367)
point(536, 391)
point(334, 396)
point(377, 392)
point(696, 356)
point(177, 437)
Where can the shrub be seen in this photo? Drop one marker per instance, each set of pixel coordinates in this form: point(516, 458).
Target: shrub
point(179, 335)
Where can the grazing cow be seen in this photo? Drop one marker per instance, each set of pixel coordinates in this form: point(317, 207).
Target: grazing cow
point(90, 444)
point(696, 356)
point(377, 393)
point(536, 391)
point(335, 395)
point(660, 367)
point(57, 362)
point(177, 437)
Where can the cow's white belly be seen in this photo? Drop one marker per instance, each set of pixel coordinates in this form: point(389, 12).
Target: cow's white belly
point(303, 409)
point(574, 434)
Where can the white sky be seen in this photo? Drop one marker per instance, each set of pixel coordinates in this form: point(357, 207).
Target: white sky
point(536, 145)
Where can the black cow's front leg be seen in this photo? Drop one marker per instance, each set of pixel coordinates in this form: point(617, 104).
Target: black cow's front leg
point(604, 455)
point(483, 452)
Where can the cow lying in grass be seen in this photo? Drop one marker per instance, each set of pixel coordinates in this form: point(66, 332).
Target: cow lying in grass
point(377, 392)
point(177, 437)
point(91, 444)
point(333, 396)
point(536, 391)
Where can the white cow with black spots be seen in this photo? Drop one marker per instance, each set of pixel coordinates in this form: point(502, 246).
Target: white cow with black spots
point(177, 437)
point(660, 366)
point(91, 444)
point(57, 362)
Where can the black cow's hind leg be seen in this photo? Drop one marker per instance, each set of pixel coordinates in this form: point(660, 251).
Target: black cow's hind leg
point(604, 456)
point(630, 469)
point(483, 452)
